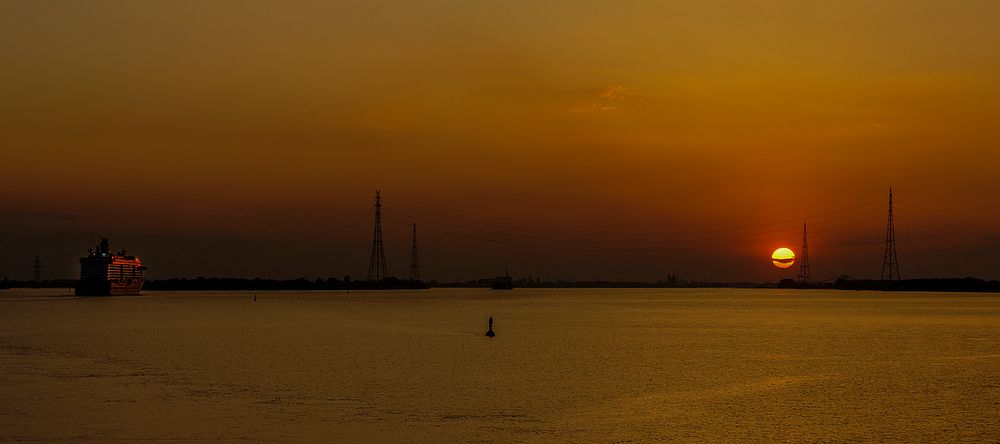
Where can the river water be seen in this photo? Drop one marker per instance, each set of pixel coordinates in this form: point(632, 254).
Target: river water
point(644, 365)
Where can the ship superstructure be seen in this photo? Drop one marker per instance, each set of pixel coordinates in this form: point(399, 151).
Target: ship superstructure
point(103, 273)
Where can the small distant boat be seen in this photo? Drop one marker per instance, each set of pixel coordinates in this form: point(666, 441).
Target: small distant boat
point(103, 273)
point(504, 282)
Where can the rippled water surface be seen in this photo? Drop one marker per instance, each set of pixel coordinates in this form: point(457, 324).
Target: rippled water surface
point(566, 366)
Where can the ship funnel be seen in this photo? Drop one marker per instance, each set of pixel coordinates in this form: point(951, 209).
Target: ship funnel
point(105, 248)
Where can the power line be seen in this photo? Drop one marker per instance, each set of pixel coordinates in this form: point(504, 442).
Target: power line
point(492, 237)
point(952, 218)
point(628, 233)
point(577, 240)
point(967, 234)
point(945, 229)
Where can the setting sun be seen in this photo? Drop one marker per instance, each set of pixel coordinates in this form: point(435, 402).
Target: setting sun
point(783, 257)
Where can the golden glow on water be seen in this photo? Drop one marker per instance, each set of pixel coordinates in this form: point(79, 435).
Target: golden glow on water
point(640, 365)
point(783, 257)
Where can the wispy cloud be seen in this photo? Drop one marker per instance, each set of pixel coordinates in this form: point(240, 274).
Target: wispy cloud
point(613, 92)
point(592, 107)
point(608, 98)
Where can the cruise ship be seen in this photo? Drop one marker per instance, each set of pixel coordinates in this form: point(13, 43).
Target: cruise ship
point(103, 273)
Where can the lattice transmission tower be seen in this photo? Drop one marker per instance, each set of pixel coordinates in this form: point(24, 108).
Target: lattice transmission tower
point(414, 263)
point(376, 266)
point(890, 265)
point(804, 273)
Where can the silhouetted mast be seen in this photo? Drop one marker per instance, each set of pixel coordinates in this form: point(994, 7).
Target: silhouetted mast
point(804, 273)
point(414, 263)
point(890, 265)
point(376, 267)
point(38, 269)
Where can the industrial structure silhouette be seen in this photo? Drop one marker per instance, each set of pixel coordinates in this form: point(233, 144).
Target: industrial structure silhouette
point(414, 263)
point(804, 272)
point(890, 265)
point(377, 269)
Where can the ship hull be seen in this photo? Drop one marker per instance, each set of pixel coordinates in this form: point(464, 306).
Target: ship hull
point(108, 288)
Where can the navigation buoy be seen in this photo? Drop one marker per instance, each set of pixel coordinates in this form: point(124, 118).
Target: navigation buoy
point(489, 333)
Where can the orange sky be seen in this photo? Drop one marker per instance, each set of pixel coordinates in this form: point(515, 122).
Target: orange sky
point(255, 135)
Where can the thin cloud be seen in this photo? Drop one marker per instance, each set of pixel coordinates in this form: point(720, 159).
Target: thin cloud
point(606, 99)
point(593, 107)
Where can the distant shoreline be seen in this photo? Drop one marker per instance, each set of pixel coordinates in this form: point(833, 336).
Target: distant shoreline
point(965, 285)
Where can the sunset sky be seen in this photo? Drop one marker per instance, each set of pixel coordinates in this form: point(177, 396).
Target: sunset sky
point(562, 140)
